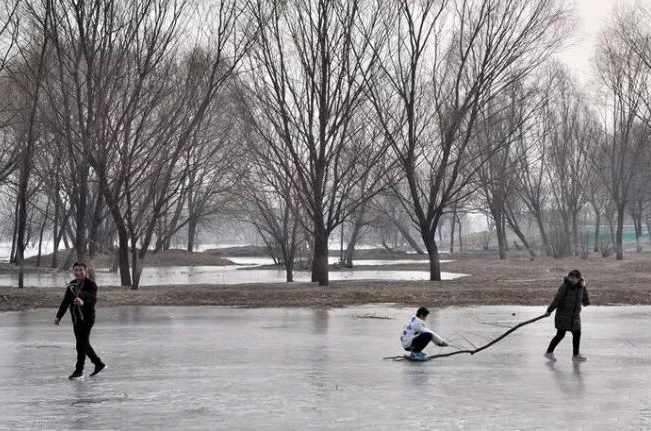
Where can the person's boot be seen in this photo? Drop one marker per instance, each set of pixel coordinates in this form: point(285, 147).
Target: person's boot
point(76, 375)
point(579, 358)
point(98, 368)
point(550, 356)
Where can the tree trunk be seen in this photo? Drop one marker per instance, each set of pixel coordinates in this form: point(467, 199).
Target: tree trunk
point(513, 224)
point(55, 228)
point(289, 265)
point(453, 223)
point(165, 242)
point(596, 229)
point(354, 237)
point(460, 237)
point(289, 271)
point(575, 234)
point(40, 235)
point(21, 239)
point(543, 235)
point(135, 267)
point(12, 254)
point(637, 223)
point(341, 244)
point(434, 261)
point(619, 248)
point(123, 256)
point(405, 234)
point(160, 234)
point(523, 238)
point(20, 257)
point(499, 230)
point(93, 235)
point(64, 236)
point(320, 259)
point(192, 232)
point(504, 241)
point(610, 218)
point(81, 239)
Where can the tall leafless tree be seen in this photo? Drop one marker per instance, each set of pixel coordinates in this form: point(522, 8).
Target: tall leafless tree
point(28, 74)
point(306, 77)
point(573, 133)
point(626, 80)
point(128, 104)
point(445, 61)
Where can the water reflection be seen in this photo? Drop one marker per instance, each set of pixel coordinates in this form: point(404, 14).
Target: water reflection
point(154, 276)
point(570, 384)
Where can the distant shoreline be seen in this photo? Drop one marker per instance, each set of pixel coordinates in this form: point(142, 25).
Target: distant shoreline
point(516, 280)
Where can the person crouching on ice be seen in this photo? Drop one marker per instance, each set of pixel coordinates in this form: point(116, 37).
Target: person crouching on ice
point(416, 335)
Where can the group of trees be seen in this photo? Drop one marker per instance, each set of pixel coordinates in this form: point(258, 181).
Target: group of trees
point(127, 122)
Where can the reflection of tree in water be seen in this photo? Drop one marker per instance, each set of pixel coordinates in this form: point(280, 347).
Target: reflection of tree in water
point(320, 321)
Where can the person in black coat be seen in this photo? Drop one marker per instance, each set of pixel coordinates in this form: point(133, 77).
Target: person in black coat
point(571, 295)
point(80, 297)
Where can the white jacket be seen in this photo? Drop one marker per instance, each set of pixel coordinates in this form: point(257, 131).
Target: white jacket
point(414, 328)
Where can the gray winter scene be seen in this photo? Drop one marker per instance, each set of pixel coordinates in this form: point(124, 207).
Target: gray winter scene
point(325, 215)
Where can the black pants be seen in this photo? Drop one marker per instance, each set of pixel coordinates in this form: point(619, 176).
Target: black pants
point(419, 342)
point(82, 335)
point(576, 341)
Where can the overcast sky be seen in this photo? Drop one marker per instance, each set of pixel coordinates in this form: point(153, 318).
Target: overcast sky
point(592, 15)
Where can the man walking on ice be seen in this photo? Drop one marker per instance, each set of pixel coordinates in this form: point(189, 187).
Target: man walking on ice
point(80, 298)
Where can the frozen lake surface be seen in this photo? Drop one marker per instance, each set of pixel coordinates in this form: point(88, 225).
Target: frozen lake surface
point(209, 368)
point(232, 274)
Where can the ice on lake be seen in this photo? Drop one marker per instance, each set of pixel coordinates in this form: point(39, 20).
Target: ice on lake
point(208, 368)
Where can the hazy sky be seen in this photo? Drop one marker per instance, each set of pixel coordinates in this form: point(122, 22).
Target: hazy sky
point(592, 15)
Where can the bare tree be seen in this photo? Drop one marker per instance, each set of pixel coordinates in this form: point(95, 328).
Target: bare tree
point(640, 196)
point(634, 27)
point(573, 134)
point(29, 75)
point(626, 79)
point(127, 107)
point(272, 204)
point(445, 60)
point(306, 78)
point(213, 170)
point(501, 127)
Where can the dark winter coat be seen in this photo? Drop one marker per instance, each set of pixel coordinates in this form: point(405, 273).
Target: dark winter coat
point(567, 303)
point(87, 291)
